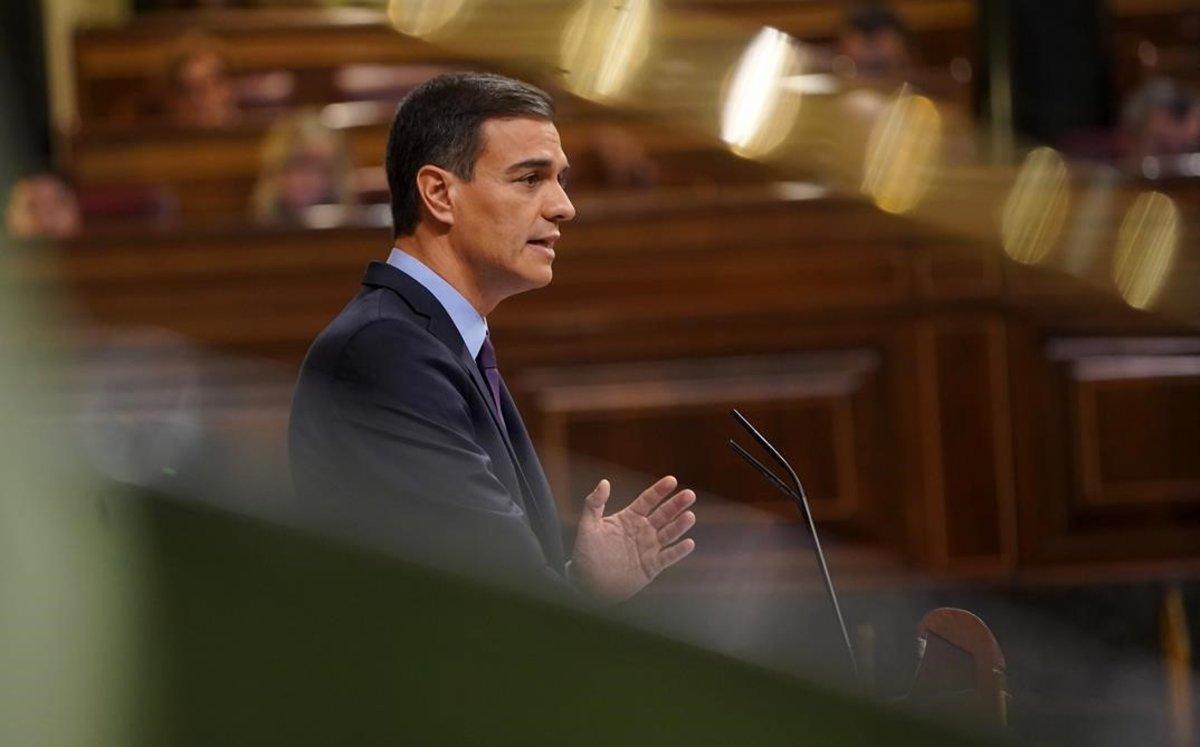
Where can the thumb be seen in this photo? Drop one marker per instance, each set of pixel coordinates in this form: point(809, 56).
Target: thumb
point(597, 498)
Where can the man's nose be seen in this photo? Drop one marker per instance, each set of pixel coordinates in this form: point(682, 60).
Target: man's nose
point(560, 208)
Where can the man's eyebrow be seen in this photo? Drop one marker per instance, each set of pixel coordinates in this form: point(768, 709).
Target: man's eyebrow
point(531, 163)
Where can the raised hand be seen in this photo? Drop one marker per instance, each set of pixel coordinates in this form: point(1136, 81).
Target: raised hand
point(616, 556)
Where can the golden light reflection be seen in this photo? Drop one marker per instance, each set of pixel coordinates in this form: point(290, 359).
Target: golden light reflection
point(423, 18)
point(604, 44)
point(759, 109)
point(902, 152)
point(1036, 209)
point(1146, 244)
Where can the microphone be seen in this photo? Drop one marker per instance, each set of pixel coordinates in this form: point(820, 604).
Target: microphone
point(797, 494)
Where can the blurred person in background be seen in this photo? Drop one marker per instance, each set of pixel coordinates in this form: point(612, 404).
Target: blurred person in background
point(612, 158)
point(1162, 118)
point(199, 91)
point(304, 164)
point(873, 44)
point(43, 206)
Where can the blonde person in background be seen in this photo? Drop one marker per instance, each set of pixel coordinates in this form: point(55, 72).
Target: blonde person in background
point(305, 165)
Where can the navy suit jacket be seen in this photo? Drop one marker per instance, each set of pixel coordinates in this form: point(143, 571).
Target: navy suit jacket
point(394, 438)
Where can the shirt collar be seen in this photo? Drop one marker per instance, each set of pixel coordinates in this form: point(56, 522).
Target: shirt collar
point(471, 326)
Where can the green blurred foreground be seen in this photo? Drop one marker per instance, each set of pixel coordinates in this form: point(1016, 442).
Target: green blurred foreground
point(186, 626)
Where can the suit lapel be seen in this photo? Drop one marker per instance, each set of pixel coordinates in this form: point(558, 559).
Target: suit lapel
point(381, 274)
point(472, 368)
point(541, 499)
point(542, 518)
point(440, 325)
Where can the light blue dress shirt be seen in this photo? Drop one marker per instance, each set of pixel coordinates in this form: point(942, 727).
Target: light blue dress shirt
point(471, 326)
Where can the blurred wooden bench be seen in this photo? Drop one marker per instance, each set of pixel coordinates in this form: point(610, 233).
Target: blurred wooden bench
point(212, 172)
point(316, 45)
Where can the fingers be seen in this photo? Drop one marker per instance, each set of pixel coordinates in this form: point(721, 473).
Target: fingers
point(653, 495)
point(597, 498)
point(672, 508)
point(676, 553)
point(676, 528)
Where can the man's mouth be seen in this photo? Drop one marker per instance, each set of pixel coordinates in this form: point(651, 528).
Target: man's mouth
point(545, 241)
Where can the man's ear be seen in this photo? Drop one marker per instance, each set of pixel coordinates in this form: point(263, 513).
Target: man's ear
point(435, 187)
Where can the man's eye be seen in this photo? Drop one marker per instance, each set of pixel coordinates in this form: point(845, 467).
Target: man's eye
point(532, 179)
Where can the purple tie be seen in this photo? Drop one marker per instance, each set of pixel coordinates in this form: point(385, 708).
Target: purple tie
point(491, 372)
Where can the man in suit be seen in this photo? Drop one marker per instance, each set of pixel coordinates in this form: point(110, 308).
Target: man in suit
point(402, 428)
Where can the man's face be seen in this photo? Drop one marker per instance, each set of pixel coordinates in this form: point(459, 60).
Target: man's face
point(205, 93)
point(43, 207)
point(1166, 133)
point(309, 177)
point(506, 218)
point(879, 55)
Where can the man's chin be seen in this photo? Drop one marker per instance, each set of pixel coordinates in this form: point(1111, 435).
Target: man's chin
point(528, 281)
point(539, 275)
point(541, 280)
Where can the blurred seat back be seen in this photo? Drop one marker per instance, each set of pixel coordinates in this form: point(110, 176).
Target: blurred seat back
point(960, 668)
point(127, 202)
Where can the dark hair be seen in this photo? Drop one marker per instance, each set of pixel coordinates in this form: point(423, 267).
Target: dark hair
point(439, 123)
point(872, 19)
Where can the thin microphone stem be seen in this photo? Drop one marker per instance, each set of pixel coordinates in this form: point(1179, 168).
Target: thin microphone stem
point(765, 472)
point(801, 498)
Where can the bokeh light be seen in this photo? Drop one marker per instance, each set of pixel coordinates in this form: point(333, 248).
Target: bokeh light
point(422, 18)
point(758, 107)
point(1146, 244)
point(604, 44)
point(902, 153)
point(1036, 208)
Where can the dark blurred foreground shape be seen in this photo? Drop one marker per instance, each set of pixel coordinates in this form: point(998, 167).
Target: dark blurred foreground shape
point(259, 635)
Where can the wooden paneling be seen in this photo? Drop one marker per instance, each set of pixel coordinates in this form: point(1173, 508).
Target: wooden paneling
point(963, 384)
point(645, 417)
point(951, 273)
point(1111, 449)
point(1136, 434)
